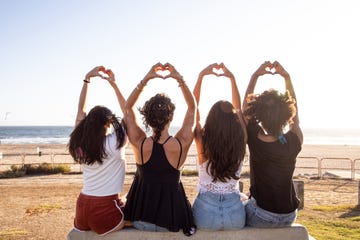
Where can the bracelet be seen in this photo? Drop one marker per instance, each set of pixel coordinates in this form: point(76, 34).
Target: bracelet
point(181, 83)
point(87, 81)
point(143, 84)
point(139, 87)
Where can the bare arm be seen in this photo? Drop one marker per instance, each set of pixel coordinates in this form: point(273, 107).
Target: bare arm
point(253, 80)
point(81, 113)
point(236, 100)
point(295, 126)
point(120, 97)
point(185, 134)
point(134, 131)
point(198, 128)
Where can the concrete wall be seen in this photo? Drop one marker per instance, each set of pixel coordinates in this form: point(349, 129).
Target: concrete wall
point(295, 232)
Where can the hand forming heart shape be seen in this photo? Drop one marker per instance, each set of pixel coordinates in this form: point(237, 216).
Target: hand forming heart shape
point(162, 71)
point(218, 70)
point(271, 70)
point(104, 73)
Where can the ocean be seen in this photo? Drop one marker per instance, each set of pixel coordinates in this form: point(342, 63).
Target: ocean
point(60, 135)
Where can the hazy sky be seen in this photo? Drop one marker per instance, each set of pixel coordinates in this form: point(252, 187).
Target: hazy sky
point(47, 47)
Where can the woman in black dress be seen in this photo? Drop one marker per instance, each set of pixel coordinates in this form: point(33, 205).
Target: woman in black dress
point(156, 200)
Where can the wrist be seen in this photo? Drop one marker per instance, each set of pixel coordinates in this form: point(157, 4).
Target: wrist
point(141, 85)
point(86, 80)
point(256, 75)
point(181, 81)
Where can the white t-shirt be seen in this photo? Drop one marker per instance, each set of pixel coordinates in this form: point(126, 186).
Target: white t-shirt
point(107, 178)
point(206, 183)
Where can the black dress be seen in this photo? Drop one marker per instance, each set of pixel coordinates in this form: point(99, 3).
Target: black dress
point(157, 195)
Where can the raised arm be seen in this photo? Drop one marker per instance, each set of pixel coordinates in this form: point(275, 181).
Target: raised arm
point(262, 70)
point(185, 134)
point(295, 126)
point(235, 96)
point(120, 97)
point(81, 113)
point(134, 131)
point(198, 128)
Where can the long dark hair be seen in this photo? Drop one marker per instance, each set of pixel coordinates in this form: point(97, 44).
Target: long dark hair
point(223, 141)
point(157, 112)
point(272, 109)
point(86, 144)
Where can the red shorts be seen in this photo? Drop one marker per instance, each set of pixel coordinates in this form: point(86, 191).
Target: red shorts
point(99, 214)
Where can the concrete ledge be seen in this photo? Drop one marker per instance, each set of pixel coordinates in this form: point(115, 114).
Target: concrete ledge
point(295, 232)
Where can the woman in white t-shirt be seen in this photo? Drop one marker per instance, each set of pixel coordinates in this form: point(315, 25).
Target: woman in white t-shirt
point(101, 154)
point(221, 148)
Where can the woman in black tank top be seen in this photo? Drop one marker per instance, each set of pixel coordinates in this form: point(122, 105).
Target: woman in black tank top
point(156, 200)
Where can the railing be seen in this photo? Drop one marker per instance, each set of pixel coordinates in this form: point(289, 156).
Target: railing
point(304, 164)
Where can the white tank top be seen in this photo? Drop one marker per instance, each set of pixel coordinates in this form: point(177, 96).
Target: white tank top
point(107, 178)
point(206, 183)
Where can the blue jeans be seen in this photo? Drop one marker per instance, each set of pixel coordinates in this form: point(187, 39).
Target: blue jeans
point(258, 217)
point(145, 226)
point(214, 211)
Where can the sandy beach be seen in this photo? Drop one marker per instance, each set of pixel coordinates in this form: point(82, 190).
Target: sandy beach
point(42, 207)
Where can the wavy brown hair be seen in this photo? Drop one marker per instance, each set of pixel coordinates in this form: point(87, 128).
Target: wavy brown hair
point(157, 112)
point(272, 109)
point(86, 144)
point(223, 142)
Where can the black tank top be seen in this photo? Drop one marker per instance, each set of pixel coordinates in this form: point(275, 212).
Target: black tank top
point(157, 195)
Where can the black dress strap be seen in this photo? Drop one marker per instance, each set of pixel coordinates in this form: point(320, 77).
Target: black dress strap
point(180, 151)
point(141, 151)
point(166, 140)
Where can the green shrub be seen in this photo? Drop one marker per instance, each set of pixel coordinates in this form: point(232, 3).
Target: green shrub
point(16, 171)
point(47, 168)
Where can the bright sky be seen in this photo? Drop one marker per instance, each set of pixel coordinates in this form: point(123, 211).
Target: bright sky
point(47, 47)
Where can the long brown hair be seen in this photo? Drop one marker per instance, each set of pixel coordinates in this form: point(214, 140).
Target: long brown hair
point(86, 144)
point(272, 109)
point(157, 112)
point(223, 142)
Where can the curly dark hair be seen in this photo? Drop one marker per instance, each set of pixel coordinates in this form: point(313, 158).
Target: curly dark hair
point(157, 112)
point(272, 109)
point(86, 144)
point(223, 141)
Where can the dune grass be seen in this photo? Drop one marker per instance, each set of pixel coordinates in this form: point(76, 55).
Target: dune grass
point(42, 208)
point(12, 234)
point(30, 169)
point(332, 222)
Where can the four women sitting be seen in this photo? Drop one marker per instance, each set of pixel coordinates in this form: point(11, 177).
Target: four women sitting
point(157, 200)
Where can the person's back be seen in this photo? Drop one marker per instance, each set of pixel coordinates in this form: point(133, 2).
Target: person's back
point(106, 178)
point(163, 199)
point(272, 165)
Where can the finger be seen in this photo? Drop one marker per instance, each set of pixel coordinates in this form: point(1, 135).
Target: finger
point(157, 64)
point(168, 66)
point(158, 68)
point(109, 72)
point(101, 68)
